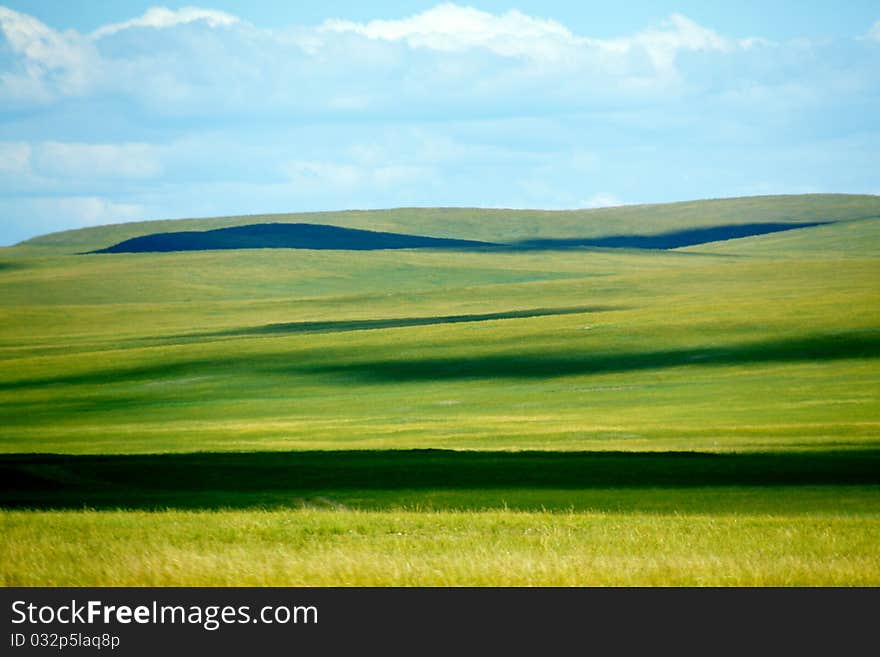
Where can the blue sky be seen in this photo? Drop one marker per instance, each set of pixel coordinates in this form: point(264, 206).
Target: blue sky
point(124, 111)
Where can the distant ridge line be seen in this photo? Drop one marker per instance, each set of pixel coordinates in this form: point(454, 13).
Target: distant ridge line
point(326, 237)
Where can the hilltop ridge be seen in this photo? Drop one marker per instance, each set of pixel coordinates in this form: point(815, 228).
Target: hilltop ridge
point(510, 225)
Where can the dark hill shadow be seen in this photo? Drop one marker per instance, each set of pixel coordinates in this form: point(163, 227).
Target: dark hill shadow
point(284, 236)
point(671, 240)
point(318, 236)
point(221, 480)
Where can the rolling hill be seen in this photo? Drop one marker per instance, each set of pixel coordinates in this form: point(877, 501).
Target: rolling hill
point(506, 226)
point(327, 238)
point(686, 413)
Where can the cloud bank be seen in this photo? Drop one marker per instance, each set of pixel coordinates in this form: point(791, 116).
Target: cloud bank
point(193, 55)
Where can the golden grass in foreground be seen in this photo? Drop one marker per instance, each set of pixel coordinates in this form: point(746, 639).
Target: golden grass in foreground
point(400, 548)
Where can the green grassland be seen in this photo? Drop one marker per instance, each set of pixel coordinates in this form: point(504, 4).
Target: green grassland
point(707, 415)
point(405, 548)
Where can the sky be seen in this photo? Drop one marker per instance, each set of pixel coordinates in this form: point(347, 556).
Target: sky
point(125, 111)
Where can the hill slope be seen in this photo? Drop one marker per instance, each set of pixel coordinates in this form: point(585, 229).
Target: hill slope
point(857, 238)
point(500, 225)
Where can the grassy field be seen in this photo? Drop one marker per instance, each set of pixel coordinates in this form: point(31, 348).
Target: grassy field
point(707, 415)
point(406, 548)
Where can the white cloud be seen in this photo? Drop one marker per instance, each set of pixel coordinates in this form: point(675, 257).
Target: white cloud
point(601, 200)
point(312, 176)
point(15, 157)
point(662, 44)
point(874, 32)
point(161, 17)
point(584, 162)
point(396, 175)
point(317, 177)
point(47, 58)
point(451, 28)
point(90, 210)
point(348, 68)
point(95, 161)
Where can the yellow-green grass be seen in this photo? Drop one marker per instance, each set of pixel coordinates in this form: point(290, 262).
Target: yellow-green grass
point(762, 351)
point(640, 351)
point(849, 239)
point(403, 548)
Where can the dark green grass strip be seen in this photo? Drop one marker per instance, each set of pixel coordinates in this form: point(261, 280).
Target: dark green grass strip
point(400, 322)
point(796, 349)
point(206, 480)
point(809, 348)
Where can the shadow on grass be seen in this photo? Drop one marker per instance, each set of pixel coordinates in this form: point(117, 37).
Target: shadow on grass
point(285, 236)
point(319, 236)
point(814, 348)
point(400, 322)
point(242, 480)
point(671, 240)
